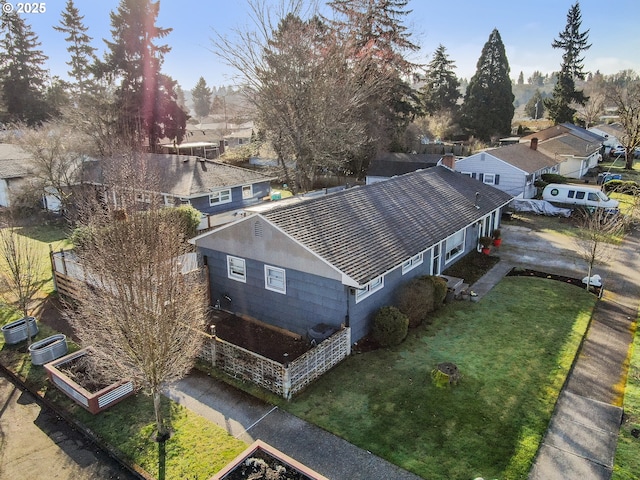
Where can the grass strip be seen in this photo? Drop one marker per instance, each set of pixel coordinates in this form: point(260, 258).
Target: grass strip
point(514, 350)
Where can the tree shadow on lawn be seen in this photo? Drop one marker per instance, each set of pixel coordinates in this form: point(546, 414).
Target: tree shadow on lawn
point(490, 424)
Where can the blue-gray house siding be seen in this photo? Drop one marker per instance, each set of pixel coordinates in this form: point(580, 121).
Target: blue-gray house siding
point(334, 249)
point(259, 191)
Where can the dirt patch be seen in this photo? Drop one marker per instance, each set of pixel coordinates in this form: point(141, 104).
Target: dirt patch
point(258, 337)
point(525, 272)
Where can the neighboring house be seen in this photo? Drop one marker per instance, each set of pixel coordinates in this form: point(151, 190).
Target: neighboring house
point(576, 149)
point(339, 258)
point(512, 168)
point(612, 133)
point(15, 174)
point(209, 186)
point(389, 165)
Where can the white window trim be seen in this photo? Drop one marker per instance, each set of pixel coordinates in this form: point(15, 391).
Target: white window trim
point(412, 263)
point(216, 198)
point(234, 275)
point(447, 252)
point(487, 176)
point(248, 188)
point(370, 288)
point(268, 285)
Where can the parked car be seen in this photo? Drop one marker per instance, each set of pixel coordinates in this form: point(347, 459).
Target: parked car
point(619, 151)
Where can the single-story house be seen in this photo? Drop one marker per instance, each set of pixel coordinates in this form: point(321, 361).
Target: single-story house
point(611, 132)
point(387, 165)
point(576, 149)
point(337, 259)
point(513, 168)
point(209, 186)
point(16, 173)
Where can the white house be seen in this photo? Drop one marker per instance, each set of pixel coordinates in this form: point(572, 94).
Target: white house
point(512, 168)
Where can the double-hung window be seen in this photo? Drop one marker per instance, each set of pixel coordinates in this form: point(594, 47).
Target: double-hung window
point(236, 269)
point(275, 279)
point(218, 198)
point(247, 191)
point(412, 263)
point(454, 246)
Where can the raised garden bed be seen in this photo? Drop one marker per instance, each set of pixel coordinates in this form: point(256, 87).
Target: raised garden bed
point(48, 349)
point(261, 461)
point(72, 375)
point(16, 331)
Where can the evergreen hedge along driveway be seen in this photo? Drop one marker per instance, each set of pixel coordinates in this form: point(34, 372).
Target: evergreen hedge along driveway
point(514, 350)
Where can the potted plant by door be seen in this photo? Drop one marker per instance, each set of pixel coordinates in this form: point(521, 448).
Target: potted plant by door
point(485, 244)
point(497, 237)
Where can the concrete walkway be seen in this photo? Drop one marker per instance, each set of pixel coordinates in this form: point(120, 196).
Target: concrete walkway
point(249, 419)
point(581, 439)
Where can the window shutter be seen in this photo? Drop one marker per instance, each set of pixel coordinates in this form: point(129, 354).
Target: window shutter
point(481, 176)
point(473, 175)
point(497, 180)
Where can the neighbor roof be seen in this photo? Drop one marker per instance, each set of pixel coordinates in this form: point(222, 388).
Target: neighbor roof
point(13, 162)
point(189, 176)
point(522, 156)
point(568, 145)
point(366, 231)
point(392, 164)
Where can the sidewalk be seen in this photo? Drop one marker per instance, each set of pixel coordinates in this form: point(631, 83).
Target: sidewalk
point(582, 435)
point(249, 419)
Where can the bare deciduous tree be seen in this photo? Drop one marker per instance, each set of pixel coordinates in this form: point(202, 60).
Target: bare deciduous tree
point(308, 95)
point(140, 308)
point(22, 270)
point(627, 101)
point(596, 237)
point(56, 157)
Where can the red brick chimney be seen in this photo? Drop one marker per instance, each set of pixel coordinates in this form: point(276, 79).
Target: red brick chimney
point(449, 161)
point(534, 143)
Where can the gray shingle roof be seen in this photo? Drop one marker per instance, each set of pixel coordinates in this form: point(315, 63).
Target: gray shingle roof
point(391, 164)
point(366, 231)
point(187, 176)
point(14, 162)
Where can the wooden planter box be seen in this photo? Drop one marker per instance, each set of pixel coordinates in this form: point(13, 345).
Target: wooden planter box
point(95, 402)
point(271, 456)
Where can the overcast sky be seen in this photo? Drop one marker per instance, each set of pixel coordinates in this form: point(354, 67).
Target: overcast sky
point(463, 26)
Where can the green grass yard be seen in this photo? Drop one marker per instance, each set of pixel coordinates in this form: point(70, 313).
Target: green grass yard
point(514, 350)
point(627, 460)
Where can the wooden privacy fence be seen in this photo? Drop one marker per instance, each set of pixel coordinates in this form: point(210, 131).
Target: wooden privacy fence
point(69, 274)
point(282, 379)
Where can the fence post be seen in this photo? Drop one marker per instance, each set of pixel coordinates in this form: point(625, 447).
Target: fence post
point(53, 268)
point(286, 383)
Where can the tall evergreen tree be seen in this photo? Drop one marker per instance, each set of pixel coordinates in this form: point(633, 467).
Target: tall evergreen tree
point(535, 106)
point(488, 103)
point(440, 91)
point(573, 42)
point(146, 98)
point(80, 49)
point(376, 38)
point(201, 95)
point(22, 75)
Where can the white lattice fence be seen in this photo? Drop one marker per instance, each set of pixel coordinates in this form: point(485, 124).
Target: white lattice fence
point(274, 376)
point(310, 366)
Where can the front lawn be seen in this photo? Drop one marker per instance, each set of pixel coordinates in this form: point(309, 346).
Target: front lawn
point(513, 349)
point(627, 460)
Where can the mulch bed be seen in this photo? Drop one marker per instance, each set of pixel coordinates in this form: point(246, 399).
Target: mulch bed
point(525, 272)
point(258, 337)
